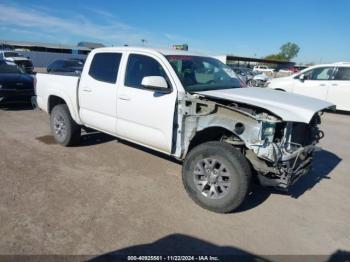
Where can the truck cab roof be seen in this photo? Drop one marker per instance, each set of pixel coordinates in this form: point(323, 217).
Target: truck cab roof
point(164, 51)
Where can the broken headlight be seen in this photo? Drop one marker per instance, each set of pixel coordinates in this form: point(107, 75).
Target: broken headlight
point(268, 131)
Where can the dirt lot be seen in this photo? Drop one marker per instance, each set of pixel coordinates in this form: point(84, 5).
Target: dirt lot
point(106, 195)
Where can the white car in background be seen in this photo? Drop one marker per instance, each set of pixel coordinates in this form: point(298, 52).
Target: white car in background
point(330, 82)
point(262, 69)
point(14, 57)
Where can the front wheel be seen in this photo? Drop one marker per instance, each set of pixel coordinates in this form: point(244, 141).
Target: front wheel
point(251, 83)
point(216, 176)
point(64, 129)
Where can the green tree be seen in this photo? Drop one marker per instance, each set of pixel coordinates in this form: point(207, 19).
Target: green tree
point(287, 52)
point(278, 56)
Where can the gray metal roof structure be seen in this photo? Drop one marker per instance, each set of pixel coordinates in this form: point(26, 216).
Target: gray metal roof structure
point(90, 45)
point(28, 44)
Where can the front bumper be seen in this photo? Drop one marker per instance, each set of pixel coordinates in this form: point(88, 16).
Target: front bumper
point(284, 173)
point(16, 93)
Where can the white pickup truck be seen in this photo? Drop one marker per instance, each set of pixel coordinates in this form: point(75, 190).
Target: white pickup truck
point(190, 107)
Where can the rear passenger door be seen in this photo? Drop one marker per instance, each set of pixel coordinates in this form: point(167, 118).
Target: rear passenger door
point(339, 90)
point(98, 91)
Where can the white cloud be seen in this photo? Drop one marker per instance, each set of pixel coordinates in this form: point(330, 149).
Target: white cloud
point(39, 21)
point(41, 24)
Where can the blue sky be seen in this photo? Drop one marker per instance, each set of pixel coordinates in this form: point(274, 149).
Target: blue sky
point(248, 28)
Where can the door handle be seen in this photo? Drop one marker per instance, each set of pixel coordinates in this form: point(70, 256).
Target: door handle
point(124, 97)
point(86, 89)
point(334, 84)
point(322, 84)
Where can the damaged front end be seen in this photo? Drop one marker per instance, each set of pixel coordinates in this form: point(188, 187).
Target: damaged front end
point(285, 150)
point(279, 151)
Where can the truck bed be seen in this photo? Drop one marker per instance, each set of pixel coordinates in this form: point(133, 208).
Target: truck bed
point(62, 86)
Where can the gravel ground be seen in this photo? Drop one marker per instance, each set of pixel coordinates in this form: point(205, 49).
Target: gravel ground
point(107, 195)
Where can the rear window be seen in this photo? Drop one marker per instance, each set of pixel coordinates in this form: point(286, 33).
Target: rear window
point(104, 67)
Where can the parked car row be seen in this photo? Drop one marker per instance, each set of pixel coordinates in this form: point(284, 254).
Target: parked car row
point(17, 81)
point(250, 77)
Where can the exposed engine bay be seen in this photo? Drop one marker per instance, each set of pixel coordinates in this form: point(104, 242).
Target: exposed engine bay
point(279, 151)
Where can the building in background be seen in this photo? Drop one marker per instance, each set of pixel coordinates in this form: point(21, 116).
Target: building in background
point(43, 54)
point(250, 62)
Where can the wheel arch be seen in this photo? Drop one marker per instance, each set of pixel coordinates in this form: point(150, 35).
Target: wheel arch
point(211, 133)
point(56, 99)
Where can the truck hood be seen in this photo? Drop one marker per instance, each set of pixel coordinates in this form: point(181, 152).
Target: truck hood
point(289, 107)
point(16, 58)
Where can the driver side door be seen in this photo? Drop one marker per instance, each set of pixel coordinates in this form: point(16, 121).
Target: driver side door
point(146, 116)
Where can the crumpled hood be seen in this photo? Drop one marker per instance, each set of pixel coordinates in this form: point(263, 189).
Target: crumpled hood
point(288, 106)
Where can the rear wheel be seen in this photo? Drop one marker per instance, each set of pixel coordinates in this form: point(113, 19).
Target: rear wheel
point(64, 129)
point(216, 176)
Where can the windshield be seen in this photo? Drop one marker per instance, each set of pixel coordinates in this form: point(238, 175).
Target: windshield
point(11, 54)
point(198, 73)
point(10, 69)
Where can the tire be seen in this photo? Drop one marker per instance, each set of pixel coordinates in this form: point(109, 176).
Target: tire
point(232, 178)
point(64, 129)
point(251, 83)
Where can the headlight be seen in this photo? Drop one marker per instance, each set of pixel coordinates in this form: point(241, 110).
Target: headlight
point(268, 131)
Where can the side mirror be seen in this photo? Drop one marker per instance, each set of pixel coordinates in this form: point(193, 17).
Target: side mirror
point(302, 77)
point(156, 83)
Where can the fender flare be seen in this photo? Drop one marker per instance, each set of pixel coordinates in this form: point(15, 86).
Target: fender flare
point(72, 109)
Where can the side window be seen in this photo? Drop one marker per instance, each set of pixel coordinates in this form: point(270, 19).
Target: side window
point(104, 67)
point(140, 66)
point(343, 73)
point(321, 73)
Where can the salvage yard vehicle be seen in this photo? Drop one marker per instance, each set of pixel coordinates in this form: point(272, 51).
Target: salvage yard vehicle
point(250, 77)
point(330, 82)
point(66, 66)
point(190, 107)
point(15, 84)
point(24, 62)
point(263, 69)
